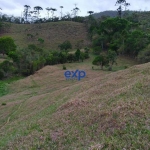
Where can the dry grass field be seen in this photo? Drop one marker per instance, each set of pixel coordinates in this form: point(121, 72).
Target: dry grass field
point(105, 110)
point(53, 33)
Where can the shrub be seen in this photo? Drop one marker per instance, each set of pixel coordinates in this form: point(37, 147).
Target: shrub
point(1, 75)
point(144, 56)
point(82, 56)
point(14, 55)
point(97, 50)
point(77, 54)
point(6, 45)
point(110, 68)
point(41, 40)
point(32, 47)
point(3, 104)
point(25, 72)
point(7, 68)
point(64, 67)
point(86, 55)
point(125, 67)
point(86, 49)
point(71, 57)
point(65, 45)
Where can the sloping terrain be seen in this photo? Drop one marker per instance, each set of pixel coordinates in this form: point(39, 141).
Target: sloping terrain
point(106, 110)
point(53, 34)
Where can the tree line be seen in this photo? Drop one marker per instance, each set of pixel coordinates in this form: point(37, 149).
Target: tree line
point(28, 60)
point(33, 15)
point(30, 15)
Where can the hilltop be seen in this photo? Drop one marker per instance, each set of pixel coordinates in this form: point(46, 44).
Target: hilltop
point(108, 110)
point(53, 33)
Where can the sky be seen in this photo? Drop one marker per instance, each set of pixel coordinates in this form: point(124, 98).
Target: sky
point(16, 7)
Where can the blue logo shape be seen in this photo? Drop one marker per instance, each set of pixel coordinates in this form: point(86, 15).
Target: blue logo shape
point(71, 75)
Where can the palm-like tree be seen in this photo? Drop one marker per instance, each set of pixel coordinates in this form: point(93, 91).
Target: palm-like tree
point(90, 12)
point(75, 11)
point(26, 11)
point(48, 10)
point(32, 13)
point(126, 5)
point(52, 11)
point(61, 11)
point(119, 11)
point(38, 8)
point(121, 3)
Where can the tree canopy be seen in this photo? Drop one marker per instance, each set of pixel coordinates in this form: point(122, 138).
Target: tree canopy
point(65, 45)
point(6, 45)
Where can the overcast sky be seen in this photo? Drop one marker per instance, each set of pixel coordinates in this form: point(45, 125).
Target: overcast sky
point(15, 7)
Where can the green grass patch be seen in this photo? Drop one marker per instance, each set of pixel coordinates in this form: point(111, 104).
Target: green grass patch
point(4, 85)
point(3, 88)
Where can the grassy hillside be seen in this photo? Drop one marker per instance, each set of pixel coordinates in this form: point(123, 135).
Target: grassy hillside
point(106, 110)
point(52, 33)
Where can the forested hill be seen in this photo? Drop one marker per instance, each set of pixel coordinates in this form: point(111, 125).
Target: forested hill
point(112, 13)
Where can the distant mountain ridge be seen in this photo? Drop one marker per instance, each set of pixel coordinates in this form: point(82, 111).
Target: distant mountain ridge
point(112, 13)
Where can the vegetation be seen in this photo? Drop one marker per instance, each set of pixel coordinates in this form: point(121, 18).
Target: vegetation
point(144, 56)
point(65, 45)
point(116, 36)
point(7, 45)
point(106, 110)
point(64, 67)
point(28, 60)
point(121, 3)
point(3, 104)
point(41, 40)
point(101, 60)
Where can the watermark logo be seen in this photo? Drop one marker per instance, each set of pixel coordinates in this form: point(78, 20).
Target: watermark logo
point(75, 75)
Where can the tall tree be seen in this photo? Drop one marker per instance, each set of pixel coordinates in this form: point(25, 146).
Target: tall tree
point(119, 11)
point(90, 12)
point(101, 61)
point(126, 5)
point(38, 8)
point(75, 11)
point(48, 10)
point(121, 3)
point(61, 11)
point(26, 12)
point(112, 57)
point(53, 10)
